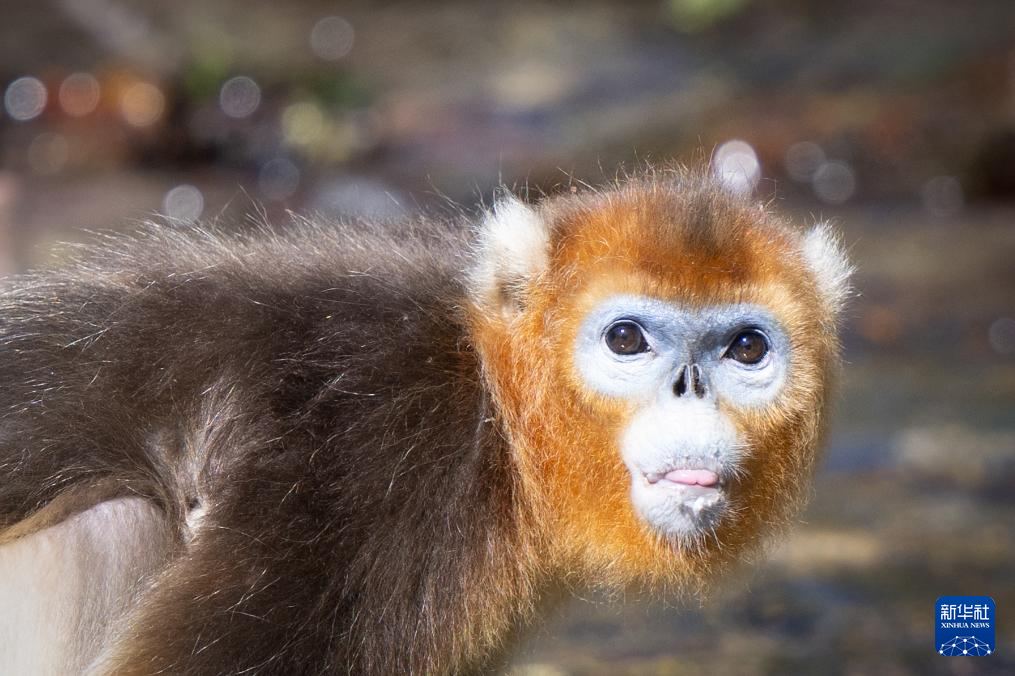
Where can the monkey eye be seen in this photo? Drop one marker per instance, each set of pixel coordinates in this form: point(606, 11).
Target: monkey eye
point(748, 347)
point(626, 338)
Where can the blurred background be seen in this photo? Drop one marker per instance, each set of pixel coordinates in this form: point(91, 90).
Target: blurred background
point(893, 118)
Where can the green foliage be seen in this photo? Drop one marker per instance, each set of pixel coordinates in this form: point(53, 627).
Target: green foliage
point(692, 16)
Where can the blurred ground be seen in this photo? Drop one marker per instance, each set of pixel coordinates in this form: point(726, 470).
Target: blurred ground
point(895, 119)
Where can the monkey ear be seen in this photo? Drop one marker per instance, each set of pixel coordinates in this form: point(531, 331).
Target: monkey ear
point(824, 255)
point(512, 248)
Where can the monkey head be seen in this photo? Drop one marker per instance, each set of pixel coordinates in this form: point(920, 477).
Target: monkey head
point(661, 355)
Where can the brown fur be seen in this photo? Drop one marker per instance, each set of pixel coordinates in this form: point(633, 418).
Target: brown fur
point(397, 471)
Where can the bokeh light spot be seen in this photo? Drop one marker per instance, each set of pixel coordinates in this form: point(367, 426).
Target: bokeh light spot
point(1001, 336)
point(48, 153)
point(834, 182)
point(303, 124)
point(142, 104)
point(331, 38)
point(79, 94)
point(802, 160)
point(736, 165)
point(25, 98)
point(239, 97)
point(183, 203)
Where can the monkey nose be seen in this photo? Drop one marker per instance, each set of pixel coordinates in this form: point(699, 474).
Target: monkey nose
point(690, 380)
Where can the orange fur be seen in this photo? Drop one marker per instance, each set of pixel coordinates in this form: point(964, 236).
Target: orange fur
point(677, 238)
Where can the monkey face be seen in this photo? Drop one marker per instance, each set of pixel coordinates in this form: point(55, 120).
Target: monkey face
point(661, 355)
point(680, 369)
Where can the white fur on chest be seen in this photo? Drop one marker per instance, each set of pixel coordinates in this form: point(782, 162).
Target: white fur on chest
point(63, 588)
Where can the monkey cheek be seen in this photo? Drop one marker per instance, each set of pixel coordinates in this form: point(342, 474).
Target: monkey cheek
point(682, 513)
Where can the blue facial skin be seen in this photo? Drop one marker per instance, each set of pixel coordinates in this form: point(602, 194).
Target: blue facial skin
point(679, 336)
point(676, 385)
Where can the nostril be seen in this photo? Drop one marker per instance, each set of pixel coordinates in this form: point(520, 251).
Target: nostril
point(698, 382)
point(680, 387)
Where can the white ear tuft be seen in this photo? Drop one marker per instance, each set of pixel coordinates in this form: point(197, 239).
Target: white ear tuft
point(513, 246)
point(822, 250)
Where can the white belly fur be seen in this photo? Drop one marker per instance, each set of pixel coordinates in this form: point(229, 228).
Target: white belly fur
point(62, 589)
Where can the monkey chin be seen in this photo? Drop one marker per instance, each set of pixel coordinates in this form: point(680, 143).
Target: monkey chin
point(679, 507)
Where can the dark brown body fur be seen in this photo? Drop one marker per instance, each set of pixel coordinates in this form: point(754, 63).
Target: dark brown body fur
point(331, 411)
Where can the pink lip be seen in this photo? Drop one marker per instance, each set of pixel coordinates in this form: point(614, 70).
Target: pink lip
point(692, 477)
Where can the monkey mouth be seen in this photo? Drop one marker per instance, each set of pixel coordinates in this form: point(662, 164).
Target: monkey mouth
point(684, 500)
point(694, 489)
point(683, 496)
point(696, 486)
point(704, 478)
